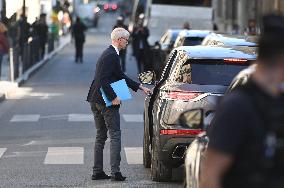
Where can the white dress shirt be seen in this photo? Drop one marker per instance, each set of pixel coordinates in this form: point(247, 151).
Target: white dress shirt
point(116, 49)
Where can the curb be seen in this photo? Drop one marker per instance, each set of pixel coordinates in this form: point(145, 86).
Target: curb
point(10, 86)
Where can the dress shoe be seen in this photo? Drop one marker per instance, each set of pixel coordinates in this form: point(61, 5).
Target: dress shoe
point(100, 176)
point(118, 177)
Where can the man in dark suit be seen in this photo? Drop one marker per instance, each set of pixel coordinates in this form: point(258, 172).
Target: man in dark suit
point(108, 70)
point(78, 32)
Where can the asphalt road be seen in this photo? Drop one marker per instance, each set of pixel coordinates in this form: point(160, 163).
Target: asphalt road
point(47, 130)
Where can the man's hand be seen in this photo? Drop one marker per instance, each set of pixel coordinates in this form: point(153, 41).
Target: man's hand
point(116, 101)
point(145, 89)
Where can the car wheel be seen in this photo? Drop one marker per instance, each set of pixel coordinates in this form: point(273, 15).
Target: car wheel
point(146, 147)
point(159, 172)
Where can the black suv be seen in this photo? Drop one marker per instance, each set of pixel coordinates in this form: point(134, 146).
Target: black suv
point(194, 77)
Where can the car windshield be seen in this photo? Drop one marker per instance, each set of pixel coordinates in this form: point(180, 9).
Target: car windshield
point(207, 72)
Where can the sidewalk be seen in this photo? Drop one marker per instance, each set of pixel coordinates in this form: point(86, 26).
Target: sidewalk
point(6, 86)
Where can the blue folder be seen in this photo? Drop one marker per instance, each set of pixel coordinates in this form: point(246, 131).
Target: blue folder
point(121, 90)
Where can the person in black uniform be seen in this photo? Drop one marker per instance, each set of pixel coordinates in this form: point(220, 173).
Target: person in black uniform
point(122, 52)
point(247, 133)
point(78, 32)
point(108, 70)
point(24, 33)
point(141, 48)
point(41, 31)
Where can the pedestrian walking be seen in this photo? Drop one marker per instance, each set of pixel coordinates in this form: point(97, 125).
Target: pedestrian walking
point(78, 33)
point(186, 25)
point(247, 133)
point(41, 31)
point(24, 33)
point(108, 70)
point(122, 52)
point(4, 45)
point(141, 49)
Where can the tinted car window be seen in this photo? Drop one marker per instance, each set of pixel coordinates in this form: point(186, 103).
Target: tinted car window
point(206, 72)
point(192, 41)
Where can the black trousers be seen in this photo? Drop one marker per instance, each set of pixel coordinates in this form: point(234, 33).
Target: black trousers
point(106, 120)
point(42, 48)
point(79, 50)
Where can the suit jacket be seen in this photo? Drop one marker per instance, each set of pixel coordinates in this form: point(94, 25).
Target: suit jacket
point(108, 70)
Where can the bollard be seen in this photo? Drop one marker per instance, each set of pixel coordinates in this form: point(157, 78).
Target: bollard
point(11, 54)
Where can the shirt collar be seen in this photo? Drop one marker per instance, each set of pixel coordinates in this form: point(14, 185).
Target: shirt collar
point(116, 49)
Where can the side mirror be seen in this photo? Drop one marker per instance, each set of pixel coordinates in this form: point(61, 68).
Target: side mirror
point(147, 77)
point(192, 119)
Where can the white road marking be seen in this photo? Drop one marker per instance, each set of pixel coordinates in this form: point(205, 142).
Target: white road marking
point(134, 155)
point(80, 117)
point(64, 155)
point(2, 151)
point(25, 118)
point(29, 143)
point(133, 117)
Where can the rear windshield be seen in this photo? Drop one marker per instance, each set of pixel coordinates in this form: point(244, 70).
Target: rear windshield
point(207, 72)
point(192, 41)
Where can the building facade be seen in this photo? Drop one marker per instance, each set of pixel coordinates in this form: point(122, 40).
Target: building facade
point(235, 15)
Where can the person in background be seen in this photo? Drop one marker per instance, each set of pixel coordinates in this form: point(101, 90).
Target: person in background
point(247, 133)
point(4, 45)
point(24, 33)
point(78, 33)
point(107, 119)
point(251, 29)
point(141, 49)
point(41, 31)
point(186, 25)
point(215, 27)
point(122, 52)
point(13, 31)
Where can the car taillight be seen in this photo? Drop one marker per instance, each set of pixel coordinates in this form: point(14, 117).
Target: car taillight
point(106, 6)
point(177, 95)
point(114, 6)
point(192, 132)
point(231, 60)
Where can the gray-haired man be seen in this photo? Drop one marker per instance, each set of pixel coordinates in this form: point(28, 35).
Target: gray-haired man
point(108, 70)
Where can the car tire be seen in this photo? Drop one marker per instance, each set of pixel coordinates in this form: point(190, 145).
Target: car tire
point(159, 172)
point(146, 147)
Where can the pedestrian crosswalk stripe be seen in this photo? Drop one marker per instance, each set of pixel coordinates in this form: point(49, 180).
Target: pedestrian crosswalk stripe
point(64, 155)
point(134, 155)
point(138, 118)
point(2, 151)
point(133, 117)
point(80, 117)
point(25, 118)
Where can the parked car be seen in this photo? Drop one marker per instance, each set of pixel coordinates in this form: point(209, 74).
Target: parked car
point(191, 37)
point(229, 40)
point(110, 6)
point(195, 76)
point(195, 152)
point(162, 49)
point(168, 39)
